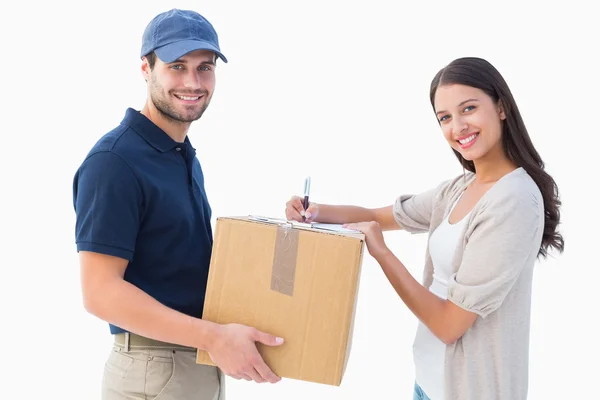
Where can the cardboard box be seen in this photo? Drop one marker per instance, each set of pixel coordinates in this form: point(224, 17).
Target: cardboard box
point(291, 280)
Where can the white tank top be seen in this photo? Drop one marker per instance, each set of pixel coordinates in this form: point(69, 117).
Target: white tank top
point(429, 351)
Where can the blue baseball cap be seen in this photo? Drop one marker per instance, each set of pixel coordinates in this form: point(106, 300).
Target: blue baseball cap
point(175, 33)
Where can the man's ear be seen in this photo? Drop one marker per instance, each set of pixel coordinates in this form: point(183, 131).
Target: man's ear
point(145, 69)
point(501, 110)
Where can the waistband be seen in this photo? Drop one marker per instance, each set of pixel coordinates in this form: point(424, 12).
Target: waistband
point(130, 341)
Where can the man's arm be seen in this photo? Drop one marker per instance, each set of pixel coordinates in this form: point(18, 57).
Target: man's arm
point(109, 203)
point(109, 297)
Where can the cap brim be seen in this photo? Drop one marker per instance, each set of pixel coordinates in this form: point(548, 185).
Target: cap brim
point(173, 51)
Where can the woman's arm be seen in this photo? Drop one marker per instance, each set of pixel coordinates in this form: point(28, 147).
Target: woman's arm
point(340, 214)
point(446, 320)
point(504, 241)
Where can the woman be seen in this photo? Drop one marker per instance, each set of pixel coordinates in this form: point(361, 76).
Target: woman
point(486, 228)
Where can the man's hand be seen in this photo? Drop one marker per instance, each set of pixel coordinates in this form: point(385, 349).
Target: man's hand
point(294, 210)
point(234, 352)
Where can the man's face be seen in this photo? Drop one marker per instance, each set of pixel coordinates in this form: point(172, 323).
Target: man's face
point(182, 90)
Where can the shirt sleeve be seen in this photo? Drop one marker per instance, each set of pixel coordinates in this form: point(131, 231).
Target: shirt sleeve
point(413, 211)
point(504, 241)
point(108, 205)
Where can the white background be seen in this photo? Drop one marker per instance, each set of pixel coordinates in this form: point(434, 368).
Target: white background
point(335, 90)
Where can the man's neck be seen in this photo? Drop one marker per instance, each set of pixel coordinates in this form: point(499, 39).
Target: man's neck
point(176, 130)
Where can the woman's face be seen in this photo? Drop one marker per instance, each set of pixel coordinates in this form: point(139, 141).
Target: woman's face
point(470, 120)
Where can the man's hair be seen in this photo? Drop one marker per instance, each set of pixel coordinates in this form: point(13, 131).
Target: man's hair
point(151, 57)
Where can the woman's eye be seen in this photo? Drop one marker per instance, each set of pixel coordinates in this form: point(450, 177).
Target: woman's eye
point(469, 108)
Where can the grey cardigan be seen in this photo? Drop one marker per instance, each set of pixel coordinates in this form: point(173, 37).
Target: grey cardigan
point(493, 272)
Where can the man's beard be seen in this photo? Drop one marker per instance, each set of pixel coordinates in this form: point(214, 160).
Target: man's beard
point(166, 108)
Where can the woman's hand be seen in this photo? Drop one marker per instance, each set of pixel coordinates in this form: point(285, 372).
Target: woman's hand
point(294, 210)
point(374, 237)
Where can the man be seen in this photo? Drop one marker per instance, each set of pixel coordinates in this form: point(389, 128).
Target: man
point(144, 236)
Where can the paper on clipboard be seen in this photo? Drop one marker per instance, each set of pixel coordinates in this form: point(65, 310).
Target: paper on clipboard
point(315, 225)
point(333, 227)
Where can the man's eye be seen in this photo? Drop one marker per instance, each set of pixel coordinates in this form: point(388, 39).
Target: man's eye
point(177, 66)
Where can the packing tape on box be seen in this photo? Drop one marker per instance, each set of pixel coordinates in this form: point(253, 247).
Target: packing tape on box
point(284, 260)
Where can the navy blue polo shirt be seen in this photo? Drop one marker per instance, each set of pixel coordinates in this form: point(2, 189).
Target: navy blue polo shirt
point(139, 195)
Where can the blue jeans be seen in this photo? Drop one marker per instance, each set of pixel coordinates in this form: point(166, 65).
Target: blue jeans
point(419, 393)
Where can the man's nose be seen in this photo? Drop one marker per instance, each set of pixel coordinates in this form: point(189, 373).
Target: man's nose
point(193, 80)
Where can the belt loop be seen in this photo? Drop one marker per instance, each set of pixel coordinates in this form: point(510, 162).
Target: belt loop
point(126, 341)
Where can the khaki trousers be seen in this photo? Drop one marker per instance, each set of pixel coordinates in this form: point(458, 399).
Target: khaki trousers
point(159, 373)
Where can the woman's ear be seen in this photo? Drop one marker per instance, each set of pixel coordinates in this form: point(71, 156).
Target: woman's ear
point(501, 112)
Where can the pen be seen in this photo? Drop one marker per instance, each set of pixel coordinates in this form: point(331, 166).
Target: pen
point(306, 194)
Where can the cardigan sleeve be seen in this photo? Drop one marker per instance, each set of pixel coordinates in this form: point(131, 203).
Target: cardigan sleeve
point(505, 239)
point(413, 211)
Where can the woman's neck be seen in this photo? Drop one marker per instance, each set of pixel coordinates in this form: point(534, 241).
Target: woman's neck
point(492, 167)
